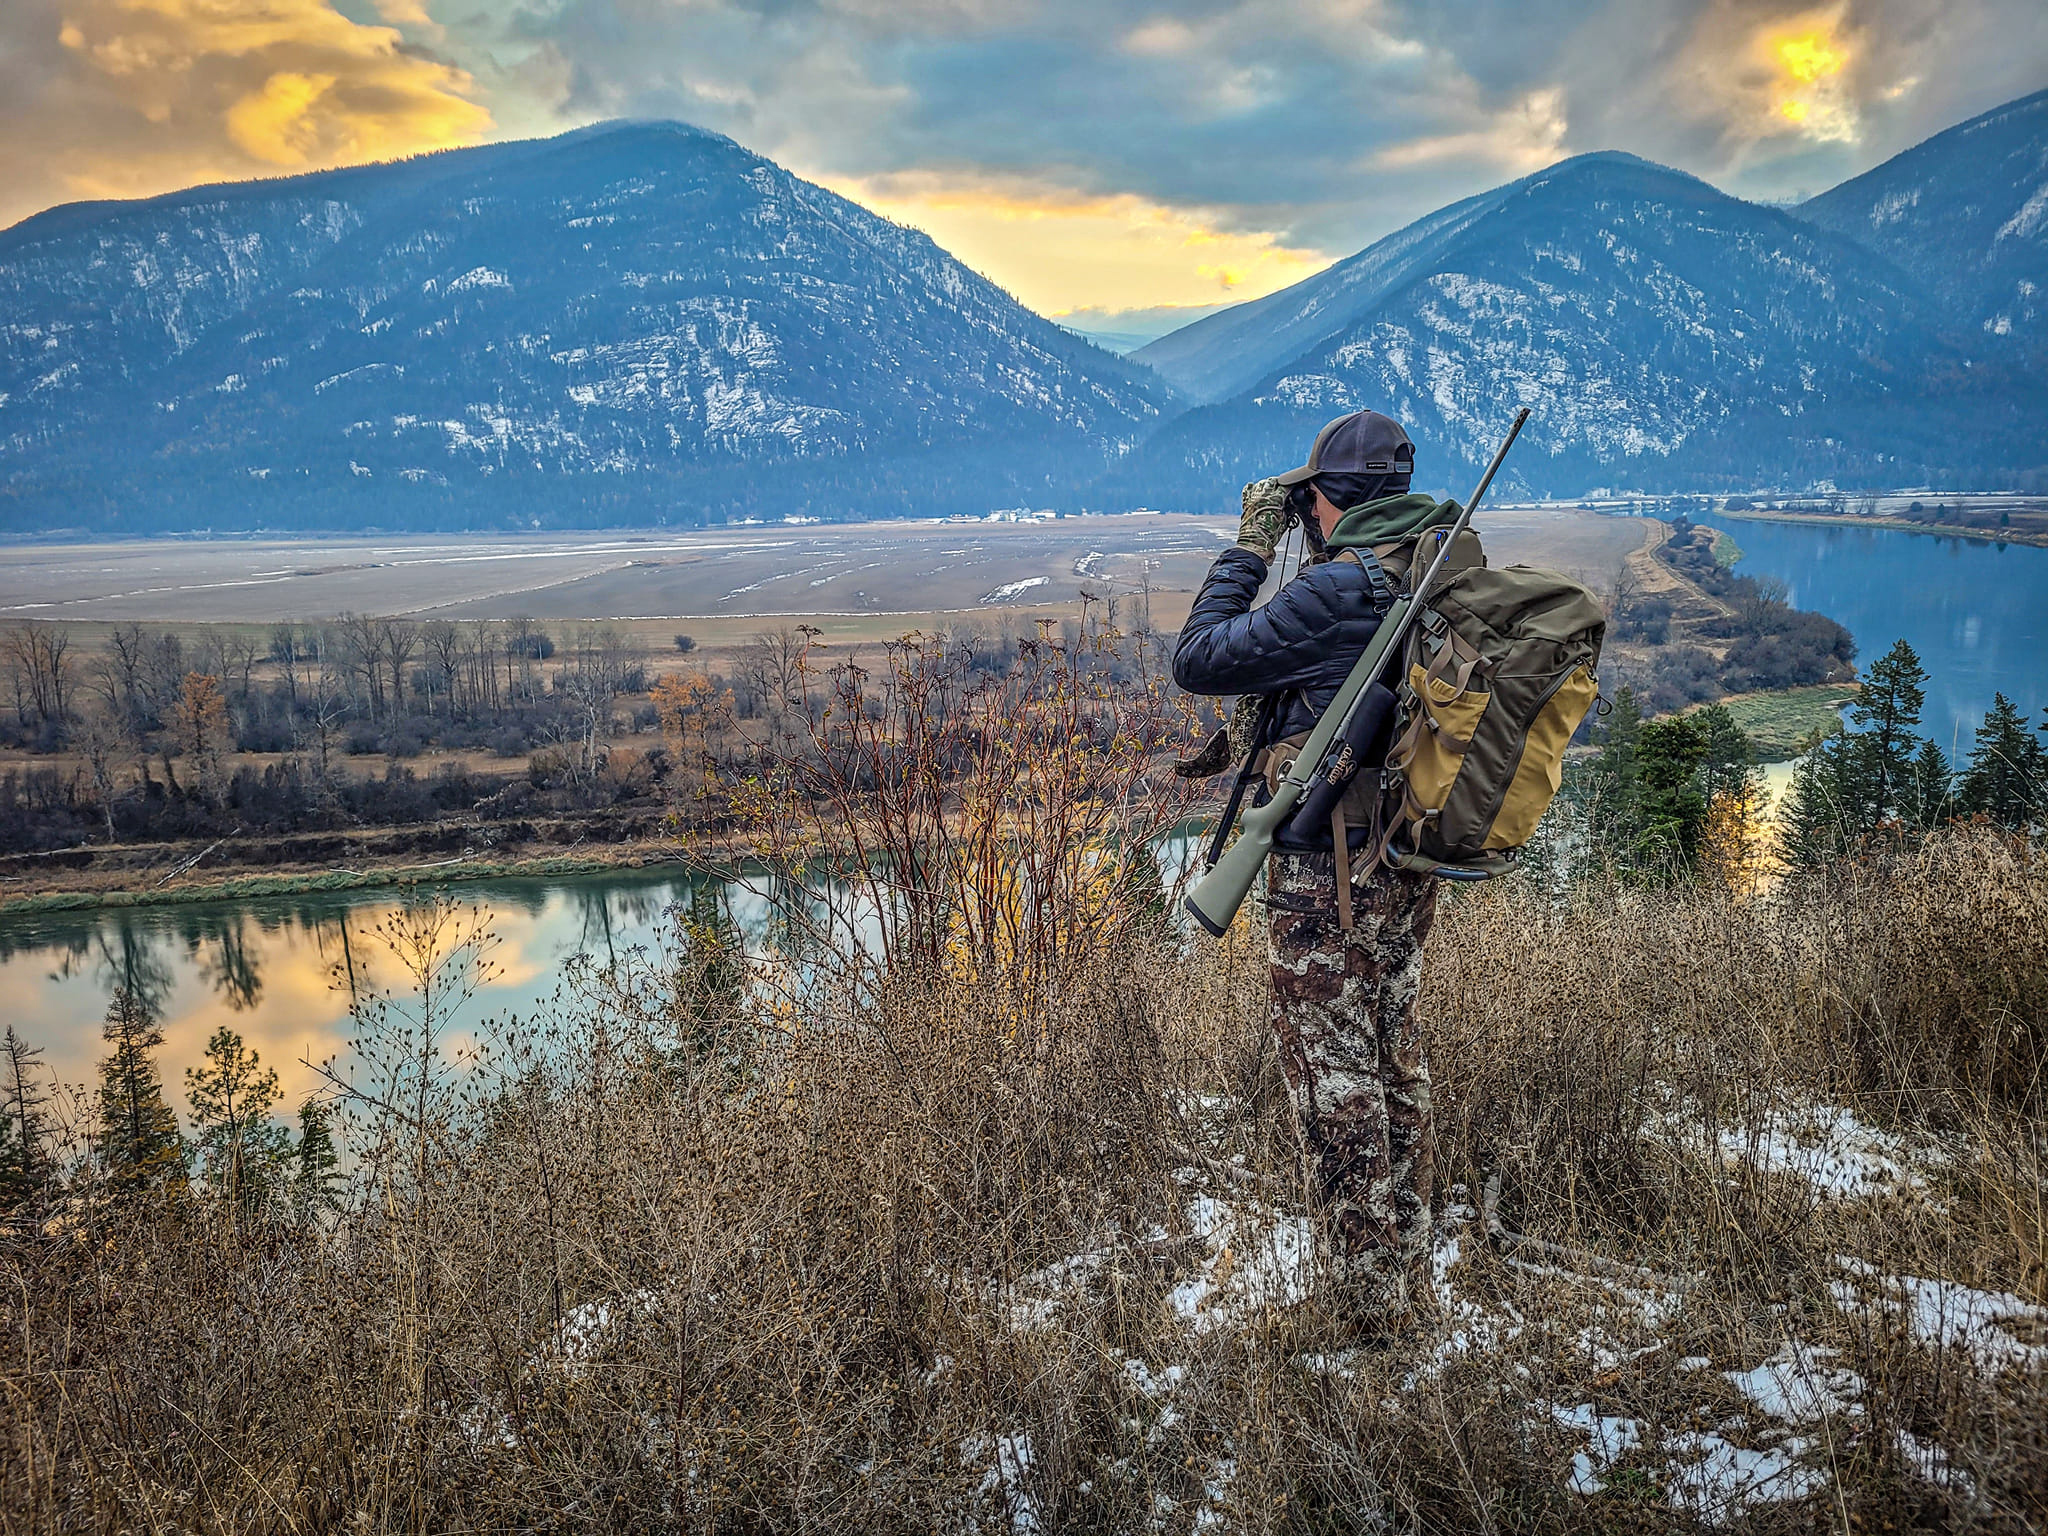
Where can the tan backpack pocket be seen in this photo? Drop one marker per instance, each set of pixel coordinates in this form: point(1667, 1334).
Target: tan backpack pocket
point(1541, 770)
point(1433, 748)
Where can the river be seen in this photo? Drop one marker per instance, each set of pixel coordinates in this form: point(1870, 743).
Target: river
point(284, 972)
point(1976, 611)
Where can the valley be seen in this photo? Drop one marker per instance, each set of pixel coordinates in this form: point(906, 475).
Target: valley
point(865, 581)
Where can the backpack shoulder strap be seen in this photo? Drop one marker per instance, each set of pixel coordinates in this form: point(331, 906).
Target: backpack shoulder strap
point(1382, 584)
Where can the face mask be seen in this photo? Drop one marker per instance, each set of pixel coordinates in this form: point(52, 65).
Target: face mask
point(1301, 504)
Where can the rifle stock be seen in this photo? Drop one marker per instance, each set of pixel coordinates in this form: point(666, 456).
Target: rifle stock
point(1217, 895)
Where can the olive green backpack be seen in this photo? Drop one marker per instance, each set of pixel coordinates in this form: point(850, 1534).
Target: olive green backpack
point(1499, 673)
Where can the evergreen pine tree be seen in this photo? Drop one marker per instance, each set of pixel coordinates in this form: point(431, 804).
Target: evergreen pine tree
point(2005, 778)
point(1931, 788)
point(16, 1184)
point(1727, 760)
point(139, 1139)
point(1813, 820)
point(1670, 810)
point(314, 1159)
point(242, 1150)
point(1610, 783)
point(23, 1164)
point(1880, 781)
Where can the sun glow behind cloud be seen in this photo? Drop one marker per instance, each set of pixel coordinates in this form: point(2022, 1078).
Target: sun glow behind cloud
point(1059, 251)
point(1808, 57)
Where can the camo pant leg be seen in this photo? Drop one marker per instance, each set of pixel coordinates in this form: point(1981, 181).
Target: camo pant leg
point(1344, 1012)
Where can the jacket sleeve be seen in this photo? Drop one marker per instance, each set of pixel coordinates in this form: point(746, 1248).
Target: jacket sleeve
point(1227, 646)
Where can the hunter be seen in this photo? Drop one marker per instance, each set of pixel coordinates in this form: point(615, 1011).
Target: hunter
point(1344, 993)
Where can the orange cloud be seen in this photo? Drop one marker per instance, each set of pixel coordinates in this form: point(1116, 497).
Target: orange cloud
point(1060, 251)
point(236, 88)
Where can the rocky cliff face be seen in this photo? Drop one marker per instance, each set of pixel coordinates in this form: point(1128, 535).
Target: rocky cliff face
point(634, 322)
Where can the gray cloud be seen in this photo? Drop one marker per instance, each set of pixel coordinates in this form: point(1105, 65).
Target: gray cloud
point(1285, 115)
point(1326, 122)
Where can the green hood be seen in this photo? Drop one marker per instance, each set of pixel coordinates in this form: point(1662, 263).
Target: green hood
point(1389, 519)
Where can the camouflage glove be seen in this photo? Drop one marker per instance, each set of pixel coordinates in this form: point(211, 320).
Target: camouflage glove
point(1265, 518)
point(1244, 720)
point(1227, 746)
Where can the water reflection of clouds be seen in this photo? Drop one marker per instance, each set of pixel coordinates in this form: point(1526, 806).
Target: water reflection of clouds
point(282, 972)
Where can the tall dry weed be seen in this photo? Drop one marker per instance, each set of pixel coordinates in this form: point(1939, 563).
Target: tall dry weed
point(910, 1244)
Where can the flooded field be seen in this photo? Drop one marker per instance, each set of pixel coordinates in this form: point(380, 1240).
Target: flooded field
point(853, 569)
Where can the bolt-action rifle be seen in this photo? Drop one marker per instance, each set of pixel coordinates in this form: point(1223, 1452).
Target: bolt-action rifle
point(1332, 755)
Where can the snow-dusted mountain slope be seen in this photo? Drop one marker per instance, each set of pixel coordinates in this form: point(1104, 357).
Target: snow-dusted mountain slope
point(1214, 358)
point(634, 322)
point(1667, 336)
point(1966, 212)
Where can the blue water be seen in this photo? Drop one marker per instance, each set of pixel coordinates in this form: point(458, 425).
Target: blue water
point(1977, 612)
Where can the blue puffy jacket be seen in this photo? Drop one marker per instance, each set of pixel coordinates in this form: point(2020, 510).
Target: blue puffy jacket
point(1302, 643)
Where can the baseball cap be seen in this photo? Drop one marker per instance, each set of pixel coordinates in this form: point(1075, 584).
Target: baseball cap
point(1363, 443)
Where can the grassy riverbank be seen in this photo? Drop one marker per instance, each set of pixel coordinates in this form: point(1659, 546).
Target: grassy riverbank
point(1778, 723)
point(241, 887)
point(950, 1251)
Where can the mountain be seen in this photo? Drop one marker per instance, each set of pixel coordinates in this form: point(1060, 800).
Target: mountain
point(1215, 358)
point(1966, 213)
point(1667, 336)
point(639, 322)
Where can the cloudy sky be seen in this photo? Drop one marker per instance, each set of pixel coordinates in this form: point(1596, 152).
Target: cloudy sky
point(1094, 156)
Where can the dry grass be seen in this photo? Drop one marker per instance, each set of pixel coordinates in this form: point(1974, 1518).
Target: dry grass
point(866, 1253)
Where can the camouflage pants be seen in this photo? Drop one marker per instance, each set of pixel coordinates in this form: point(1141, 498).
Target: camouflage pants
point(1344, 1012)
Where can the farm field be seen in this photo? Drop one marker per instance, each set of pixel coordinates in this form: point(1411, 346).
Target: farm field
point(851, 572)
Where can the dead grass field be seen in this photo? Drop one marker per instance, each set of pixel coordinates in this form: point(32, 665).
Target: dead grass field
point(943, 1255)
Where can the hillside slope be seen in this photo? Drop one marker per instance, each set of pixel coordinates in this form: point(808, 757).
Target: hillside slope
point(1966, 212)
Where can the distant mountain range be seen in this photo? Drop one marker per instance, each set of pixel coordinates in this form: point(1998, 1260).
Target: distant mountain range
point(629, 324)
point(645, 323)
point(1668, 337)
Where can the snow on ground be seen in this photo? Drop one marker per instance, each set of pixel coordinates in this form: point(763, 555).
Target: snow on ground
point(1995, 1328)
point(1008, 1459)
point(1715, 1481)
point(1004, 593)
point(1254, 1259)
point(1797, 1386)
point(1609, 1439)
point(1832, 1150)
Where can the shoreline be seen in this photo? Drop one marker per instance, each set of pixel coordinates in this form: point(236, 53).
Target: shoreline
point(241, 884)
point(1896, 525)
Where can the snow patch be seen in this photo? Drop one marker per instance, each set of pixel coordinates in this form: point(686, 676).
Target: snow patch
point(1609, 1439)
point(1797, 1386)
point(1254, 1260)
point(1715, 1481)
point(479, 277)
point(1832, 1150)
point(1995, 1328)
point(1015, 589)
